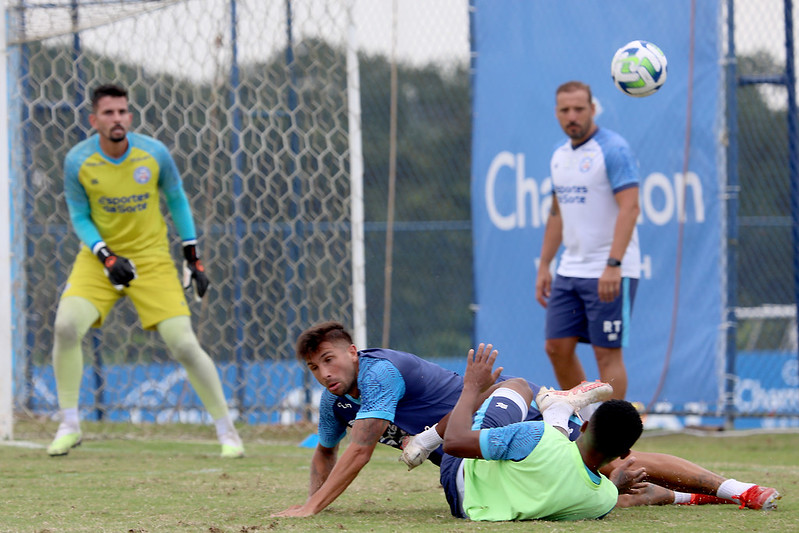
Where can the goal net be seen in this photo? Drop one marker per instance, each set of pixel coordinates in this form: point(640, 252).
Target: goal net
point(250, 97)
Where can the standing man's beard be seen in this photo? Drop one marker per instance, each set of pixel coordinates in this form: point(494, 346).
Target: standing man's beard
point(119, 137)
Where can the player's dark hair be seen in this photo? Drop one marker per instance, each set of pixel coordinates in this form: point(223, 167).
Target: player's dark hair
point(310, 339)
point(571, 86)
point(107, 89)
point(616, 425)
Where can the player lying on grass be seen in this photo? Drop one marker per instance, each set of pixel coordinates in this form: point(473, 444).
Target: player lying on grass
point(385, 395)
point(668, 476)
point(499, 467)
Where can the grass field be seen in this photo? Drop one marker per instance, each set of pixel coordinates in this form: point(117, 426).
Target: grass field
point(147, 478)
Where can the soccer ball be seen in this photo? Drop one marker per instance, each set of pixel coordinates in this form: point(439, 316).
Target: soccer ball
point(639, 68)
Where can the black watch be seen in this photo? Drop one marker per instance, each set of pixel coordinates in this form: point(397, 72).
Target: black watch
point(612, 262)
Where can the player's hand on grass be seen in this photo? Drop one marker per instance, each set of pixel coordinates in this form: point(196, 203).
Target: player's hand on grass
point(645, 494)
point(194, 272)
point(120, 270)
point(294, 511)
point(479, 375)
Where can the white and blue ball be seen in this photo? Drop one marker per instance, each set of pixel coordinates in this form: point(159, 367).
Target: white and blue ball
point(639, 68)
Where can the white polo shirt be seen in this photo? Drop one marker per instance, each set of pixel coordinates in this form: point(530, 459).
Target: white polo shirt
point(585, 179)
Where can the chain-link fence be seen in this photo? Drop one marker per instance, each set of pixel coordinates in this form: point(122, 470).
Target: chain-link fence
point(766, 247)
point(251, 99)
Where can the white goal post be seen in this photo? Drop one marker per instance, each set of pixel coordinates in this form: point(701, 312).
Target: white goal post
point(6, 345)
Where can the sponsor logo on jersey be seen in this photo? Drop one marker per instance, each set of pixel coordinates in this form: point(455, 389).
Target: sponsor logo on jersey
point(124, 204)
point(571, 194)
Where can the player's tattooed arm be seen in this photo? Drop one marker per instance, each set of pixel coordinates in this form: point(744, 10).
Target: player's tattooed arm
point(367, 431)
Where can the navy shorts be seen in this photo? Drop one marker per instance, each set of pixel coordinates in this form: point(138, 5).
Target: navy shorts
point(574, 310)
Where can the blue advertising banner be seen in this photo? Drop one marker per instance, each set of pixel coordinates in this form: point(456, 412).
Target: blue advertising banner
point(524, 51)
point(161, 393)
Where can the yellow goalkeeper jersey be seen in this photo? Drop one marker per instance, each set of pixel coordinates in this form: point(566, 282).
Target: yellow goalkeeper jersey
point(117, 200)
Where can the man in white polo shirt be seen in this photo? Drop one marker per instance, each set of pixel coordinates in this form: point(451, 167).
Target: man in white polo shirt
point(594, 212)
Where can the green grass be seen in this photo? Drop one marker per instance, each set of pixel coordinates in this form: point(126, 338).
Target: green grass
point(147, 478)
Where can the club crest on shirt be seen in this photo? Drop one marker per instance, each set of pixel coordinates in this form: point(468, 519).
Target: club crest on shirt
point(142, 175)
point(586, 163)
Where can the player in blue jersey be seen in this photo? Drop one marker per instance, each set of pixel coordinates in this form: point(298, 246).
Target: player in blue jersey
point(385, 395)
point(382, 395)
point(112, 184)
point(593, 214)
point(503, 468)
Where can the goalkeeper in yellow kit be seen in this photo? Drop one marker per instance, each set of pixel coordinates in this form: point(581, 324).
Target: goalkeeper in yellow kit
point(112, 183)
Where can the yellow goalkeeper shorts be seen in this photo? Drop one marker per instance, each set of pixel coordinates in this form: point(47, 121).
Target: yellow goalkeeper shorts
point(157, 292)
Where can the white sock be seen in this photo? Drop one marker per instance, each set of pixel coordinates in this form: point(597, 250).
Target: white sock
point(429, 439)
point(226, 432)
point(681, 497)
point(588, 411)
point(558, 415)
point(731, 488)
point(70, 422)
point(70, 417)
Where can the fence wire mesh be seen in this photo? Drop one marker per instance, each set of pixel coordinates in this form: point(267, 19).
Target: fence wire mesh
point(251, 99)
point(766, 314)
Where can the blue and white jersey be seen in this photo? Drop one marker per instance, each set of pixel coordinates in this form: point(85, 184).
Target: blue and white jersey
point(513, 442)
point(337, 413)
point(404, 389)
point(410, 393)
point(585, 179)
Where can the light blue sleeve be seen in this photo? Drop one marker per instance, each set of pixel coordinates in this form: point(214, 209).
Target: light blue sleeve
point(330, 430)
point(620, 162)
point(511, 443)
point(381, 386)
point(80, 212)
point(170, 183)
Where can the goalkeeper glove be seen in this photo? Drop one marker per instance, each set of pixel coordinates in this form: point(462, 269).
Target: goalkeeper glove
point(120, 270)
point(193, 270)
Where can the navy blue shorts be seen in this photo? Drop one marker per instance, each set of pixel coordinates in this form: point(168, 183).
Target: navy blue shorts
point(574, 310)
point(449, 476)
